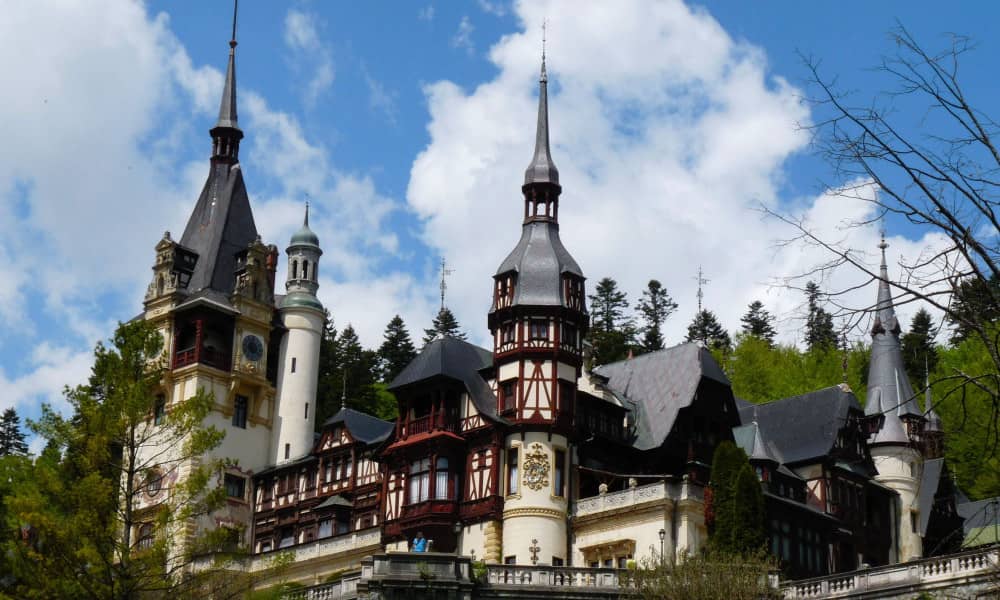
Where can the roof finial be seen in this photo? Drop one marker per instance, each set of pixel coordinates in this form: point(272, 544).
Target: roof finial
point(306, 221)
point(544, 77)
point(232, 40)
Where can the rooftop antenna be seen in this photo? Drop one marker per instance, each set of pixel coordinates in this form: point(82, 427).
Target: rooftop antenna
point(844, 362)
point(545, 23)
point(701, 281)
point(444, 285)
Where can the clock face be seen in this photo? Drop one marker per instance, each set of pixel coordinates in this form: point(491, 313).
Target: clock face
point(253, 347)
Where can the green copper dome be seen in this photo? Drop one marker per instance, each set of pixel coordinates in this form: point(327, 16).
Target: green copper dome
point(300, 299)
point(305, 236)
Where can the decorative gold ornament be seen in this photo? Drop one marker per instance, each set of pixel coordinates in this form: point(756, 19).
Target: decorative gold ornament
point(536, 468)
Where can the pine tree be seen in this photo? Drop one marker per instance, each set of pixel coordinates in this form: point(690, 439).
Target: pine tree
point(919, 352)
point(758, 322)
point(655, 306)
point(820, 333)
point(397, 350)
point(973, 302)
point(705, 327)
point(12, 439)
point(359, 367)
point(612, 330)
point(735, 513)
point(331, 373)
point(444, 323)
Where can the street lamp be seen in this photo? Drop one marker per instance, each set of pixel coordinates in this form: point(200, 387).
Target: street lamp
point(663, 536)
point(456, 528)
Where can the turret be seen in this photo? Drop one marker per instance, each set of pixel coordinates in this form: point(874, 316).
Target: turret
point(538, 321)
point(302, 316)
point(891, 400)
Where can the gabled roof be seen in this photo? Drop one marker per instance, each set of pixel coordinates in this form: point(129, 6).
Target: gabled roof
point(335, 501)
point(982, 521)
point(930, 481)
point(362, 427)
point(803, 427)
point(455, 359)
point(661, 384)
point(220, 225)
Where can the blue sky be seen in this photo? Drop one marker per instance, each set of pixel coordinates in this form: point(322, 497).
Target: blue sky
point(408, 126)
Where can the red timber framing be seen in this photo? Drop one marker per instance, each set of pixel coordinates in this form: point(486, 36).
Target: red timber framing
point(204, 337)
point(443, 468)
point(333, 491)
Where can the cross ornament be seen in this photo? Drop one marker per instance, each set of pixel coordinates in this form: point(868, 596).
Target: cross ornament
point(534, 551)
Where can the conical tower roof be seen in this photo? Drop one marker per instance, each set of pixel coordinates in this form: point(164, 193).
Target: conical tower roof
point(542, 169)
point(889, 390)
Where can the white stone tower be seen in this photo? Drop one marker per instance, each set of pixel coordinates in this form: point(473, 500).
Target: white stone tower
point(302, 316)
point(538, 321)
point(895, 446)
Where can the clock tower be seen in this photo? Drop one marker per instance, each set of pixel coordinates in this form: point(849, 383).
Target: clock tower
point(538, 321)
point(302, 316)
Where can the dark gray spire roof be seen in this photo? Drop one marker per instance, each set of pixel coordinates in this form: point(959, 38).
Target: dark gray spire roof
point(539, 259)
point(889, 389)
point(362, 426)
point(227, 108)
point(542, 169)
point(220, 226)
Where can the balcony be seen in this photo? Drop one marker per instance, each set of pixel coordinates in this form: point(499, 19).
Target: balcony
point(206, 356)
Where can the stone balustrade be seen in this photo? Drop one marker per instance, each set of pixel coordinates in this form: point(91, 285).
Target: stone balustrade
point(632, 496)
point(346, 588)
point(549, 576)
point(904, 580)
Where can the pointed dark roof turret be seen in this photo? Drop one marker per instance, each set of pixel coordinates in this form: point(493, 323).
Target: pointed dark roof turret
point(542, 169)
point(221, 224)
point(226, 134)
point(889, 390)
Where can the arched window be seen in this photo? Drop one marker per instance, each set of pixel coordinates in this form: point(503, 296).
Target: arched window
point(159, 285)
point(295, 269)
point(305, 269)
point(145, 537)
point(441, 480)
point(154, 482)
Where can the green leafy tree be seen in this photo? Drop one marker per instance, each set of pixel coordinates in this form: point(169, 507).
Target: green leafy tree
point(612, 330)
point(734, 514)
point(12, 440)
point(820, 332)
point(919, 352)
point(705, 327)
point(654, 307)
point(444, 323)
point(397, 349)
point(90, 493)
point(758, 322)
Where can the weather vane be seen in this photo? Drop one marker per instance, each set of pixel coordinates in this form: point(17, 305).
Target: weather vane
point(701, 281)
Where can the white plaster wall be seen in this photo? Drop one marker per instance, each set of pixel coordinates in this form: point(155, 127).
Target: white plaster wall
point(507, 371)
point(534, 514)
point(473, 541)
point(894, 470)
point(291, 424)
point(642, 528)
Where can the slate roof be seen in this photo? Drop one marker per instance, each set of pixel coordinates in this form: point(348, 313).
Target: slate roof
point(455, 359)
point(889, 389)
point(335, 500)
point(661, 384)
point(803, 427)
point(982, 521)
point(539, 259)
point(362, 426)
point(542, 169)
point(930, 480)
point(220, 225)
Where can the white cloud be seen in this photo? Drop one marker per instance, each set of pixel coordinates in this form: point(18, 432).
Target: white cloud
point(664, 153)
point(380, 99)
point(303, 39)
point(496, 8)
point(463, 35)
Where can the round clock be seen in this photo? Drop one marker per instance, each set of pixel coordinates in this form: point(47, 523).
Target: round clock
point(253, 347)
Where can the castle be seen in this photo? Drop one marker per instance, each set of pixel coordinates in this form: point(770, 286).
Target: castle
point(517, 454)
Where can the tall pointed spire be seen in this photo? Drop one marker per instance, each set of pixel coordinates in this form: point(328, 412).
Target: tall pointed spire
point(889, 391)
point(226, 134)
point(542, 169)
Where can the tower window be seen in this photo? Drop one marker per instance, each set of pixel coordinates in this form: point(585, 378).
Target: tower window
point(295, 269)
point(507, 331)
point(288, 449)
point(568, 335)
point(305, 269)
point(539, 329)
point(559, 479)
point(240, 412)
point(293, 364)
point(160, 409)
point(512, 471)
point(508, 395)
point(307, 410)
